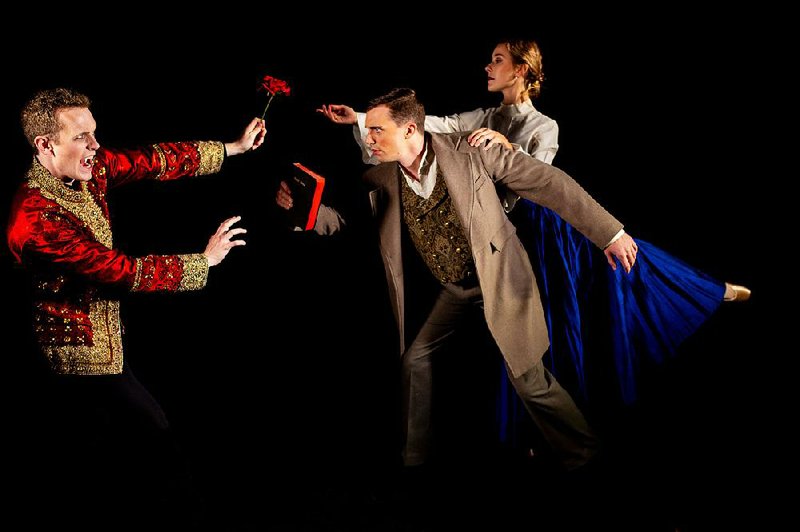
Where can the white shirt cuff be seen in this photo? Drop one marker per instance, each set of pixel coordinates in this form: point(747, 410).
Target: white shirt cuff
point(616, 237)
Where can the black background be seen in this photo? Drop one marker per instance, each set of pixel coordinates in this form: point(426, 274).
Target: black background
point(282, 372)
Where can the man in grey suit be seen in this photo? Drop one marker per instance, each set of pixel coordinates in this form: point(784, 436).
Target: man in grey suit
point(437, 196)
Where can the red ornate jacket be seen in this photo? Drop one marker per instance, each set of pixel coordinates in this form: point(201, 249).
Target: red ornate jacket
point(63, 236)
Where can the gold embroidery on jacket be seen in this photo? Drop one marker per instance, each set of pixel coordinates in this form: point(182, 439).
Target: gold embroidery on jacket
point(78, 202)
point(62, 343)
point(137, 278)
point(162, 161)
point(212, 154)
point(103, 357)
point(195, 272)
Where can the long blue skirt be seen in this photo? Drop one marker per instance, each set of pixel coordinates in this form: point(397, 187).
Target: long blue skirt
point(603, 324)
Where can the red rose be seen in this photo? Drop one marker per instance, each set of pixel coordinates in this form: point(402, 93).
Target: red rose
point(273, 86)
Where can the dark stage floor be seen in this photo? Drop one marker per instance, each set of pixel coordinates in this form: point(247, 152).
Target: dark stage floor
point(679, 459)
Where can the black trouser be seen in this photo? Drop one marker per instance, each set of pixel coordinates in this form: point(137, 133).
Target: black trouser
point(552, 409)
point(110, 457)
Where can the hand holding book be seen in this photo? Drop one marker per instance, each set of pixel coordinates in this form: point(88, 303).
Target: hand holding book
point(301, 195)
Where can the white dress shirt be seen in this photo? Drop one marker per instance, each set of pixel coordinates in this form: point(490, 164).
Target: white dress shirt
point(427, 174)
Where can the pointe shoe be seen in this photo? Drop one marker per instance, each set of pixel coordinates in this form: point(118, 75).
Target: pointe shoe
point(738, 293)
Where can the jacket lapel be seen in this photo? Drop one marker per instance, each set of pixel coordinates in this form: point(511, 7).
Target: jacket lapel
point(457, 170)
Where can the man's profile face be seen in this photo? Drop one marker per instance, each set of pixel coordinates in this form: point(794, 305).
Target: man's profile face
point(385, 138)
point(75, 145)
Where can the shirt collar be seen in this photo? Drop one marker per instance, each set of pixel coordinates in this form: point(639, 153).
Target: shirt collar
point(428, 157)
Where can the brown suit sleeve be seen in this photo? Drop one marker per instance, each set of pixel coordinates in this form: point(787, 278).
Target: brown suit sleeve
point(552, 188)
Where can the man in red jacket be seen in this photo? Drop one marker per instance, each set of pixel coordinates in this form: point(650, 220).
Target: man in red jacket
point(59, 229)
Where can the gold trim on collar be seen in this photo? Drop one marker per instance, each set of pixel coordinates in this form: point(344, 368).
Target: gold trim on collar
point(78, 202)
point(39, 177)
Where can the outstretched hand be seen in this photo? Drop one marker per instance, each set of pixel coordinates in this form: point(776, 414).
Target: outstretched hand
point(252, 137)
point(490, 136)
point(284, 196)
point(339, 114)
point(624, 249)
point(220, 242)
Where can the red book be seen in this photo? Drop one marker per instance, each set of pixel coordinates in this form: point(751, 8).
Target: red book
point(306, 186)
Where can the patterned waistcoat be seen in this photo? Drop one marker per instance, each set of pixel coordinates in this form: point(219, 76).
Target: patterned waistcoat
point(437, 234)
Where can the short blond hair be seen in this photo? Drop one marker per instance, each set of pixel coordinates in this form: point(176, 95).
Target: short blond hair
point(39, 116)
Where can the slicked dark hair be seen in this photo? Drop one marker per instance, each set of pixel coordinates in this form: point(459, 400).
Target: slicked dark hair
point(403, 107)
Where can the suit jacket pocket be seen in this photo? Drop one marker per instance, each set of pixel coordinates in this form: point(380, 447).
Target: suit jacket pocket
point(501, 236)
